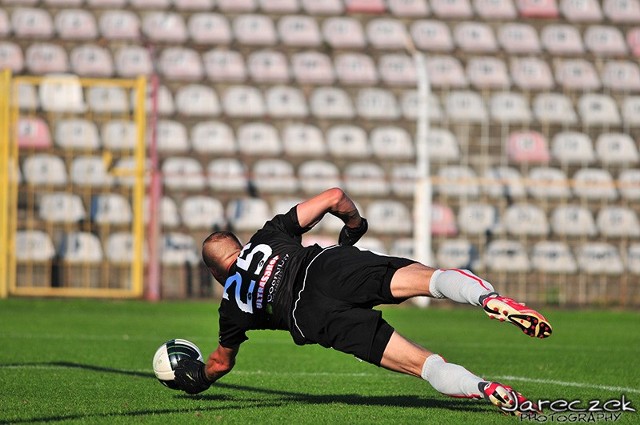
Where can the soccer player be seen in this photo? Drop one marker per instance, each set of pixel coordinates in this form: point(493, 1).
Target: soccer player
point(325, 296)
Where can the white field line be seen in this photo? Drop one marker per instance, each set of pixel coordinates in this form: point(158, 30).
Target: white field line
point(570, 384)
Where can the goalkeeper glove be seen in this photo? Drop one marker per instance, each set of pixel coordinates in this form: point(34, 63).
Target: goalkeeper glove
point(190, 376)
point(349, 236)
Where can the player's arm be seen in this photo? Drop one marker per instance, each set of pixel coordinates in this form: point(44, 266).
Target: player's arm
point(193, 376)
point(220, 362)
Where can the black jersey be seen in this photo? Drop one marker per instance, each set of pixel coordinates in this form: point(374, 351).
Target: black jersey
point(259, 291)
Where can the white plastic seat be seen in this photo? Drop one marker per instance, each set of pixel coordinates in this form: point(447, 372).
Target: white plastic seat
point(386, 33)
point(622, 11)
point(286, 102)
point(268, 66)
point(572, 220)
point(526, 219)
point(77, 134)
point(477, 218)
point(197, 100)
point(445, 71)
point(150, 4)
point(605, 41)
point(254, 30)
point(213, 137)
point(107, 100)
point(224, 65)
point(389, 142)
point(554, 108)
point(488, 72)
point(365, 178)
point(182, 173)
point(46, 58)
point(202, 212)
point(343, 32)
point(531, 73)
point(389, 217)
point(630, 110)
point(561, 39)
point(411, 109)
point(125, 171)
point(572, 147)
point(617, 221)
point(237, 5)
point(110, 208)
point(466, 106)
point(247, 214)
point(397, 70)
point(181, 63)
point(443, 145)
point(209, 28)
point(581, 10)
point(61, 207)
point(283, 205)
point(119, 246)
point(331, 102)
point(31, 22)
point(44, 169)
point(451, 9)
point(193, 5)
point(132, 61)
point(355, 68)
point(518, 37)
point(621, 76)
point(495, 9)
point(91, 61)
point(33, 246)
point(458, 180)
point(326, 7)
point(629, 184)
point(475, 37)
point(403, 247)
point(257, 139)
point(553, 257)
point(33, 133)
point(598, 109)
point(164, 27)
point(227, 175)
point(299, 31)
point(548, 183)
point(90, 171)
point(500, 182)
point(599, 258)
point(119, 135)
point(456, 254)
point(594, 183)
point(171, 137)
point(510, 107)
point(81, 248)
point(318, 175)
point(408, 8)
point(377, 104)
point(279, 6)
point(119, 25)
point(243, 101)
point(274, 176)
point(507, 256)
point(431, 35)
point(633, 258)
point(303, 140)
point(75, 24)
point(178, 249)
point(348, 141)
point(11, 57)
point(312, 67)
point(577, 74)
point(403, 179)
point(443, 221)
point(617, 149)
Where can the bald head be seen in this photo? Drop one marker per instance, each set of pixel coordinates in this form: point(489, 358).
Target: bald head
point(219, 251)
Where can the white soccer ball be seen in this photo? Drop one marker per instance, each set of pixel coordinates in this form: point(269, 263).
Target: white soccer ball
point(167, 357)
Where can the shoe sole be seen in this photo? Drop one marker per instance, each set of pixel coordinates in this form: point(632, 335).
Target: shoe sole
point(530, 322)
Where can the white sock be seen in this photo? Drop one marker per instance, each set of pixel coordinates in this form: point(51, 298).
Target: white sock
point(459, 285)
point(450, 379)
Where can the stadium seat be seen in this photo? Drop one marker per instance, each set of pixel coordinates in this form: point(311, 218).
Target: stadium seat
point(617, 221)
point(150, 4)
point(31, 22)
point(443, 145)
point(365, 179)
point(404, 247)
point(548, 183)
point(616, 149)
point(443, 221)
point(633, 41)
point(180, 64)
point(366, 6)
point(299, 31)
point(621, 76)
point(554, 108)
point(348, 141)
point(477, 218)
point(386, 33)
point(257, 138)
point(633, 258)
point(222, 65)
point(572, 220)
point(227, 175)
point(408, 8)
point(331, 102)
point(61, 207)
point(286, 102)
point(118, 248)
point(33, 246)
point(451, 9)
point(312, 67)
point(182, 173)
point(561, 39)
point(509, 107)
point(577, 74)
point(5, 25)
point(107, 100)
point(283, 205)
point(488, 10)
point(388, 217)
point(236, 5)
point(397, 70)
point(343, 32)
point(178, 249)
point(11, 57)
point(279, 6)
point(119, 24)
point(209, 28)
point(475, 37)
point(572, 147)
point(318, 175)
point(247, 214)
point(124, 171)
point(630, 110)
point(487, 72)
point(325, 7)
point(518, 38)
point(594, 183)
point(622, 11)
point(389, 143)
point(502, 182)
point(446, 72)
point(202, 212)
point(274, 176)
point(111, 209)
point(119, 135)
point(456, 254)
point(75, 24)
point(46, 58)
point(411, 109)
point(374, 103)
point(370, 243)
point(254, 30)
point(197, 100)
point(132, 61)
point(605, 41)
point(466, 106)
point(457, 180)
point(243, 101)
point(629, 184)
point(581, 10)
point(527, 147)
point(33, 133)
point(599, 258)
point(537, 8)
point(553, 257)
point(90, 171)
point(77, 133)
point(431, 35)
point(44, 170)
point(193, 5)
point(303, 140)
point(25, 93)
point(268, 66)
point(213, 137)
point(164, 27)
point(81, 248)
point(89, 60)
point(526, 219)
point(531, 73)
point(506, 256)
point(403, 180)
point(598, 109)
point(355, 68)
point(171, 137)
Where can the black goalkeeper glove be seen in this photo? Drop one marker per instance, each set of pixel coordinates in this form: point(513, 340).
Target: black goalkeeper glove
point(349, 236)
point(190, 376)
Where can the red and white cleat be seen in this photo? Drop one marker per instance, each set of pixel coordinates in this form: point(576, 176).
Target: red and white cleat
point(528, 320)
point(507, 399)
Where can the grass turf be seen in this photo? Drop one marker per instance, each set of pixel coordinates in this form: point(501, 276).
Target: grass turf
point(88, 361)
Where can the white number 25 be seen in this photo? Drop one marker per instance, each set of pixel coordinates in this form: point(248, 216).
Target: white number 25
point(244, 262)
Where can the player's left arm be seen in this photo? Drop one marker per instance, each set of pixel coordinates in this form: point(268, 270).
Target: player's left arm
point(193, 376)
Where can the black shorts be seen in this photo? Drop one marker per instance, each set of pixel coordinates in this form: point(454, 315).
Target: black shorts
point(333, 305)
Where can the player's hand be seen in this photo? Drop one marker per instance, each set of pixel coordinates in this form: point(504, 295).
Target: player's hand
point(190, 376)
point(349, 236)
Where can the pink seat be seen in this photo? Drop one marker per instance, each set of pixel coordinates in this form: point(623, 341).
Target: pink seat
point(324, 7)
point(91, 61)
point(386, 33)
point(209, 28)
point(132, 61)
point(76, 24)
point(397, 70)
point(179, 63)
point(408, 8)
point(365, 6)
point(605, 41)
point(633, 40)
point(519, 38)
point(451, 9)
point(485, 72)
point(577, 74)
point(11, 57)
point(164, 27)
point(527, 147)
point(475, 37)
point(621, 76)
point(443, 221)
point(531, 73)
point(343, 32)
point(268, 66)
point(446, 71)
point(46, 58)
point(33, 133)
point(31, 23)
point(254, 30)
point(224, 65)
point(537, 8)
point(562, 39)
point(581, 11)
point(119, 25)
point(495, 9)
point(622, 11)
point(312, 67)
point(299, 31)
point(355, 68)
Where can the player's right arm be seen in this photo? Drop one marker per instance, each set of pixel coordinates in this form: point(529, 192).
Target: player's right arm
point(220, 362)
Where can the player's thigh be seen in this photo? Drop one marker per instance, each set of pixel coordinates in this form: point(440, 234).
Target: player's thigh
point(411, 281)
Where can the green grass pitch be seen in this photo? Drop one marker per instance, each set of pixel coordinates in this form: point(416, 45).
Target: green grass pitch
point(88, 361)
